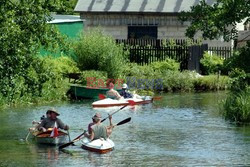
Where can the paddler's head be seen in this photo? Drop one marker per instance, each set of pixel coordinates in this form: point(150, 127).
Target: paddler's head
point(111, 86)
point(125, 86)
point(97, 117)
point(53, 113)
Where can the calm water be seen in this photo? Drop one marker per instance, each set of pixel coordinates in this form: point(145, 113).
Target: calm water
point(179, 130)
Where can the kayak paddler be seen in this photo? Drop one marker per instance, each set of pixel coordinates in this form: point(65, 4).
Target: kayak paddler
point(98, 130)
point(51, 121)
point(113, 94)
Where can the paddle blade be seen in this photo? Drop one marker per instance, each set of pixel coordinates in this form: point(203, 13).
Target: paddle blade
point(101, 96)
point(157, 98)
point(65, 145)
point(124, 121)
point(131, 102)
point(72, 142)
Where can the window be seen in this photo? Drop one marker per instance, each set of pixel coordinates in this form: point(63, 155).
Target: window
point(142, 32)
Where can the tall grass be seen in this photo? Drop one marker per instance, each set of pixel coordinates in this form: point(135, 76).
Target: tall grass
point(237, 106)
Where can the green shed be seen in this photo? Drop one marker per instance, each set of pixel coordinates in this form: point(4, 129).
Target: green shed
point(69, 25)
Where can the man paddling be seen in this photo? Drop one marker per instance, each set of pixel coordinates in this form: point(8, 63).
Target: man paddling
point(125, 93)
point(98, 130)
point(113, 94)
point(51, 121)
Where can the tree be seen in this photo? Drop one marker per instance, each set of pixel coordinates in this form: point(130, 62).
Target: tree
point(66, 6)
point(23, 29)
point(217, 20)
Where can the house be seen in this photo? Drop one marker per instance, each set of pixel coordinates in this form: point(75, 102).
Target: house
point(140, 19)
point(244, 34)
point(243, 38)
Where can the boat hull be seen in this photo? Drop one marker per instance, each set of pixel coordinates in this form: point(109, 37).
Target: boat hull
point(111, 103)
point(44, 138)
point(85, 92)
point(100, 146)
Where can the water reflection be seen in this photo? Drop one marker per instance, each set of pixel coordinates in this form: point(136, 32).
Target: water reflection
point(96, 159)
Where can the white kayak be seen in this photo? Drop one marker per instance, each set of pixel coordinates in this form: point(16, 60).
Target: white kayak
point(111, 102)
point(100, 146)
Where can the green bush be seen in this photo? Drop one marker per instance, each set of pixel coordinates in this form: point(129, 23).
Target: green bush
point(236, 107)
point(96, 51)
point(99, 78)
point(168, 64)
point(133, 69)
point(211, 82)
point(41, 81)
point(177, 81)
point(240, 60)
point(211, 63)
point(174, 80)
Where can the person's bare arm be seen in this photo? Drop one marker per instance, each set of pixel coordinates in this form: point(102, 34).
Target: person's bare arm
point(90, 136)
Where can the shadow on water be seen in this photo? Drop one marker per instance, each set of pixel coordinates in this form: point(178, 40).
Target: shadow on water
point(178, 130)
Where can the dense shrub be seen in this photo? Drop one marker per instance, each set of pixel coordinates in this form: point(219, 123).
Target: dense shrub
point(211, 63)
point(211, 82)
point(177, 81)
point(172, 80)
point(41, 81)
point(133, 69)
point(236, 107)
point(168, 64)
point(94, 78)
point(240, 60)
point(96, 51)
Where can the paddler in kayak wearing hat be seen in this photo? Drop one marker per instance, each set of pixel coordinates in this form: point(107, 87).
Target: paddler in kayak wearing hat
point(126, 94)
point(51, 121)
point(98, 130)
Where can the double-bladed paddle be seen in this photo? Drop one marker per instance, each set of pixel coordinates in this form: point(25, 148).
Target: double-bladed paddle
point(130, 102)
point(73, 141)
point(79, 137)
point(123, 121)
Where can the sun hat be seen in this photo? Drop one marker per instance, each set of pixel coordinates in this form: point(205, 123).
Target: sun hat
point(124, 86)
point(54, 111)
point(97, 116)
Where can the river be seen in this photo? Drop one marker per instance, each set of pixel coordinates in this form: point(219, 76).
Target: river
point(178, 130)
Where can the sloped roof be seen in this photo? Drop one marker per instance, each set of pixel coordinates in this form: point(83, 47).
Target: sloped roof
point(244, 36)
point(135, 6)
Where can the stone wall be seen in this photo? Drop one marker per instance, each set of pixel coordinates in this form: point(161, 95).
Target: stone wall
point(118, 32)
point(168, 26)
